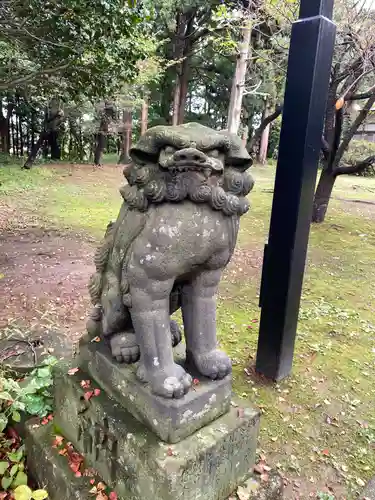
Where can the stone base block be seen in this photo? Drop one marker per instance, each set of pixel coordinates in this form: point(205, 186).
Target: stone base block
point(208, 465)
point(50, 469)
point(170, 419)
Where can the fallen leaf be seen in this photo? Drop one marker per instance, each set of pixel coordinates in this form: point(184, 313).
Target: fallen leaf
point(101, 486)
point(325, 452)
point(58, 441)
point(101, 496)
point(96, 392)
point(88, 395)
point(73, 371)
point(95, 339)
point(92, 481)
point(85, 384)
point(22, 492)
point(44, 421)
point(78, 474)
point(113, 496)
point(75, 461)
point(195, 381)
point(259, 468)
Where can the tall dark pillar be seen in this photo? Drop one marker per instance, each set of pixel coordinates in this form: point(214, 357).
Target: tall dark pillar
point(309, 66)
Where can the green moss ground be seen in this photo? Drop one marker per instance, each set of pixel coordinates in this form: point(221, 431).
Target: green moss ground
point(318, 426)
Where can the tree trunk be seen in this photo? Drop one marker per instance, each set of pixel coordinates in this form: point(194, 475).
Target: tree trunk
point(329, 122)
point(35, 149)
point(323, 195)
point(27, 138)
point(99, 147)
point(45, 139)
point(21, 135)
point(126, 137)
point(101, 139)
point(33, 128)
point(45, 147)
point(81, 152)
point(184, 85)
point(263, 149)
point(4, 146)
point(53, 140)
point(166, 96)
point(17, 134)
point(182, 50)
point(238, 85)
point(178, 52)
point(144, 117)
point(13, 135)
point(70, 143)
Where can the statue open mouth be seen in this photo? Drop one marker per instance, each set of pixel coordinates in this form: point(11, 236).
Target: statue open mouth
point(190, 159)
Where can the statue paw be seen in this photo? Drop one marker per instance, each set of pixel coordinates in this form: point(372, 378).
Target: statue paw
point(171, 382)
point(214, 364)
point(124, 347)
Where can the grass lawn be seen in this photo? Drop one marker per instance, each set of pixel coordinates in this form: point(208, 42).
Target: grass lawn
point(318, 426)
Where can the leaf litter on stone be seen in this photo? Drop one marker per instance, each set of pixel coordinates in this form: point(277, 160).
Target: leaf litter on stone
point(73, 371)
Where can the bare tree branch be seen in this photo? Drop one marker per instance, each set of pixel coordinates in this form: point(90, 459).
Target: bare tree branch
point(355, 169)
point(362, 115)
point(31, 76)
point(364, 95)
point(270, 118)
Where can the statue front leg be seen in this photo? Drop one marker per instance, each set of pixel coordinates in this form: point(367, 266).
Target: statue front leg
point(151, 321)
point(199, 314)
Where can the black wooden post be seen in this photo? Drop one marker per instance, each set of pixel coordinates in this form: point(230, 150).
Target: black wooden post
point(309, 66)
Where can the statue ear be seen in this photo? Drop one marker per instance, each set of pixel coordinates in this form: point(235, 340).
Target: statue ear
point(239, 163)
point(141, 157)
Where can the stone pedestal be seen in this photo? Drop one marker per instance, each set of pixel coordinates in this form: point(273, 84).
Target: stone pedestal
point(170, 419)
point(126, 434)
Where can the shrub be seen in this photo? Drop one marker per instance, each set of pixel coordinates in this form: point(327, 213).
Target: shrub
point(31, 395)
point(360, 150)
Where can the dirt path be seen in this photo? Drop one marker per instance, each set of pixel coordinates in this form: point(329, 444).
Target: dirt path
point(44, 278)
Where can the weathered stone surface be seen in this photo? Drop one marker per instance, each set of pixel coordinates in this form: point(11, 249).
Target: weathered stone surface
point(208, 465)
point(170, 419)
point(369, 491)
point(50, 469)
point(256, 489)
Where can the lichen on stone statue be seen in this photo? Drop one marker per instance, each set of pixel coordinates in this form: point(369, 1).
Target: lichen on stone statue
point(175, 233)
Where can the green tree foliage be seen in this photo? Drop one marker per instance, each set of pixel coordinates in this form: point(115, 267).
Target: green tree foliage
point(92, 47)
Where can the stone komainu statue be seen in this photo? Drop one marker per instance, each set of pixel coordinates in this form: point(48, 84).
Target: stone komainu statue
point(175, 233)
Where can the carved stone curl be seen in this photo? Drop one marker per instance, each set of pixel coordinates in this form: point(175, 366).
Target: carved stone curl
point(175, 233)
